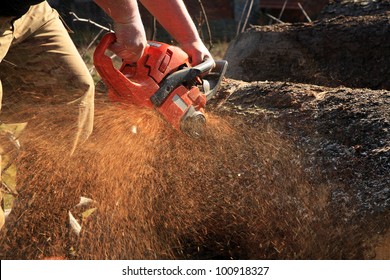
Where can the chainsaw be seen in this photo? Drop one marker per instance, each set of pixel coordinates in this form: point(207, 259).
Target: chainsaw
point(162, 79)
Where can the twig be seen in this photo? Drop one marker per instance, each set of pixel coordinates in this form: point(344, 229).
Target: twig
point(9, 62)
point(102, 28)
point(200, 24)
point(92, 42)
point(304, 12)
point(14, 140)
point(21, 215)
point(207, 24)
point(8, 189)
point(76, 18)
point(154, 33)
point(282, 11)
point(247, 16)
point(274, 18)
point(242, 16)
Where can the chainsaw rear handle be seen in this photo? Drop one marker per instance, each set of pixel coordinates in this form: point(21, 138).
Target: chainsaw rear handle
point(100, 59)
point(102, 62)
point(103, 45)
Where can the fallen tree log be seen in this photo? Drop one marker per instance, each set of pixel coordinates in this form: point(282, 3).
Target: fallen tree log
point(349, 51)
point(354, 8)
point(344, 132)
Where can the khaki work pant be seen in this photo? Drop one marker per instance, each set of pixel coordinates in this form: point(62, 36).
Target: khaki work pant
point(2, 217)
point(38, 56)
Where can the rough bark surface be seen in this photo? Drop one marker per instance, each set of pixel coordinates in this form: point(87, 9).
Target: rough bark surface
point(355, 8)
point(349, 51)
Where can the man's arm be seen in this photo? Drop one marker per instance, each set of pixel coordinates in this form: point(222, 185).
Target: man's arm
point(172, 15)
point(128, 27)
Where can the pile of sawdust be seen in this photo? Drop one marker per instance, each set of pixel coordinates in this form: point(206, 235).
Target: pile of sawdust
point(238, 192)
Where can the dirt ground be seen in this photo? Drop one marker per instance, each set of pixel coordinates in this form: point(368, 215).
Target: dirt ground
point(292, 166)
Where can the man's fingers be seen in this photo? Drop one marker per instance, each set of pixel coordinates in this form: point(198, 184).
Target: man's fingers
point(126, 53)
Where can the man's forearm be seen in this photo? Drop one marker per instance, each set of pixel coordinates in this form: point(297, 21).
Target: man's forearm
point(174, 17)
point(121, 11)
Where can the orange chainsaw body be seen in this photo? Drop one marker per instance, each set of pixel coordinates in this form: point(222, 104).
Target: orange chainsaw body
point(162, 79)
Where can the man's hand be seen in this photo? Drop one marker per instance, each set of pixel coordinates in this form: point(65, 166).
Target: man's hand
point(196, 51)
point(128, 27)
point(174, 17)
point(130, 41)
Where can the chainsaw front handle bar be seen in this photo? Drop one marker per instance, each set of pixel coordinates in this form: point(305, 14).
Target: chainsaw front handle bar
point(185, 75)
point(205, 66)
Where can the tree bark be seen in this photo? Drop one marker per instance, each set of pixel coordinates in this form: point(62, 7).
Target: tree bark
point(349, 51)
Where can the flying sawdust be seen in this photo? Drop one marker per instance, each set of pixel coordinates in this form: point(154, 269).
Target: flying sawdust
point(238, 192)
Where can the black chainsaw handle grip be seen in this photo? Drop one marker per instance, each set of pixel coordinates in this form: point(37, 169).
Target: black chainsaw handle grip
point(189, 74)
point(205, 66)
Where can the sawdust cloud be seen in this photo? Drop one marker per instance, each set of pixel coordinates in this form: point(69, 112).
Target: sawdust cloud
point(238, 192)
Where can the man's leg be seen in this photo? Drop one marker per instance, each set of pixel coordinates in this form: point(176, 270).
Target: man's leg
point(2, 217)
point(5, 42)
point(38, 57)
point(44, 73)
point(47, 64)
